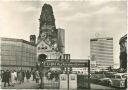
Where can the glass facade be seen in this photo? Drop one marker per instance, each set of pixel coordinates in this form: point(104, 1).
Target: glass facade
point(102, 51)
point(17, 54)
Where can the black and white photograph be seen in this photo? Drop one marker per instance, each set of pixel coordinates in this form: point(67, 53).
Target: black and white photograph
point(63, 44)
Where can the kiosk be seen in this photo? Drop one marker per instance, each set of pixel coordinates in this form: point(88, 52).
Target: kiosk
point(72, 81)
point(63, 81)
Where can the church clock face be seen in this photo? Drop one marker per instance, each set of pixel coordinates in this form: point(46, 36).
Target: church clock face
point(55, 45)
point(48, 41)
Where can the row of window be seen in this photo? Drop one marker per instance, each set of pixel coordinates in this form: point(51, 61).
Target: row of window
point(101, 52)
point(17, 63)
point(102, 40)
point(103, 64)
point(14, 49)
point(11, 43)
point(13, 53)
point(101, 44)
point(15, 68)
point(104, 61)
point(18, 56)
point(17, 53)
point(16, 44)
point(22, 45)
point(97, 54)
point(103, 58)
point(99, 47)
point(6, 52)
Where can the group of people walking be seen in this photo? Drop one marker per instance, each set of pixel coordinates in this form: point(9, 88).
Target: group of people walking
point(14, 77)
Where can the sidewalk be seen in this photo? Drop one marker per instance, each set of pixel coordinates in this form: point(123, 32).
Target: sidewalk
point(26, 85)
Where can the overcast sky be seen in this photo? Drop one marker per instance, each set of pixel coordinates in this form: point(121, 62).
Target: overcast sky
point(81, 20)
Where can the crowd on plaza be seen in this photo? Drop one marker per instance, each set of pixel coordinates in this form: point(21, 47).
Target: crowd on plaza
point(13, 77)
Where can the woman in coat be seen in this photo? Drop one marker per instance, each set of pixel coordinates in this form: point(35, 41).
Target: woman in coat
point(13, 78)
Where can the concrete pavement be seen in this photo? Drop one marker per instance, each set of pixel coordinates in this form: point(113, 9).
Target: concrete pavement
point(100, 87)
point(26, 85)
point(33, 85)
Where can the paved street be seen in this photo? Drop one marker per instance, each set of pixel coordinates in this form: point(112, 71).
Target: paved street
point(99, 87)
point(33, 85)
point(26, 85)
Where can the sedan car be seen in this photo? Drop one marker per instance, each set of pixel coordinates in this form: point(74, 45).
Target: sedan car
point(105, 81)
point(119, 80)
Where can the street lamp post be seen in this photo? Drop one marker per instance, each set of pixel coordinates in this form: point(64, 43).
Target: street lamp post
point(42, 59)
point(42, 74)
point(89, 60)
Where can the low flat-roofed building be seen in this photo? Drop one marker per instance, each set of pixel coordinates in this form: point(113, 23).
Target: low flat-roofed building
point(17, 54)
point(80, 70)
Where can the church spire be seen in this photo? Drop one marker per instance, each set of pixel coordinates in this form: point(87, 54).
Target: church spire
point(48, 39)
point(47, 17)
point(47, 29)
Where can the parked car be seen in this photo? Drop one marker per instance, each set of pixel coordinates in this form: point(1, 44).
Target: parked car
point(105, 81)
point(119, 80)
point(95, 78)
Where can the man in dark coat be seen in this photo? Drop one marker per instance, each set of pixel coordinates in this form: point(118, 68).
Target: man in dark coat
point(28, 75)
point(6, 78)
point(23, 73)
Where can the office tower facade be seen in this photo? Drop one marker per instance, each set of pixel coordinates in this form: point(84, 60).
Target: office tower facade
point(101, 50)
point(61, 40)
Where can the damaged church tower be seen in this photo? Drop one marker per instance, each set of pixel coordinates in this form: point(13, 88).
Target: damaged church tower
point(50, 40)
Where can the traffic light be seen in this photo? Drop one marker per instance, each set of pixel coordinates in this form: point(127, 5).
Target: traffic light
point(70, 69)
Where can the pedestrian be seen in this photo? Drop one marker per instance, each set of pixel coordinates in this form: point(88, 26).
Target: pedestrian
point(20, 77)
point(23, 74)
point(2, 74)
point(9, 75)
point(15, 74)
point(34, 76)
point(13, 78)
point(28, 75)
point(37, 76)
point(2, 71)
point(6, 78)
